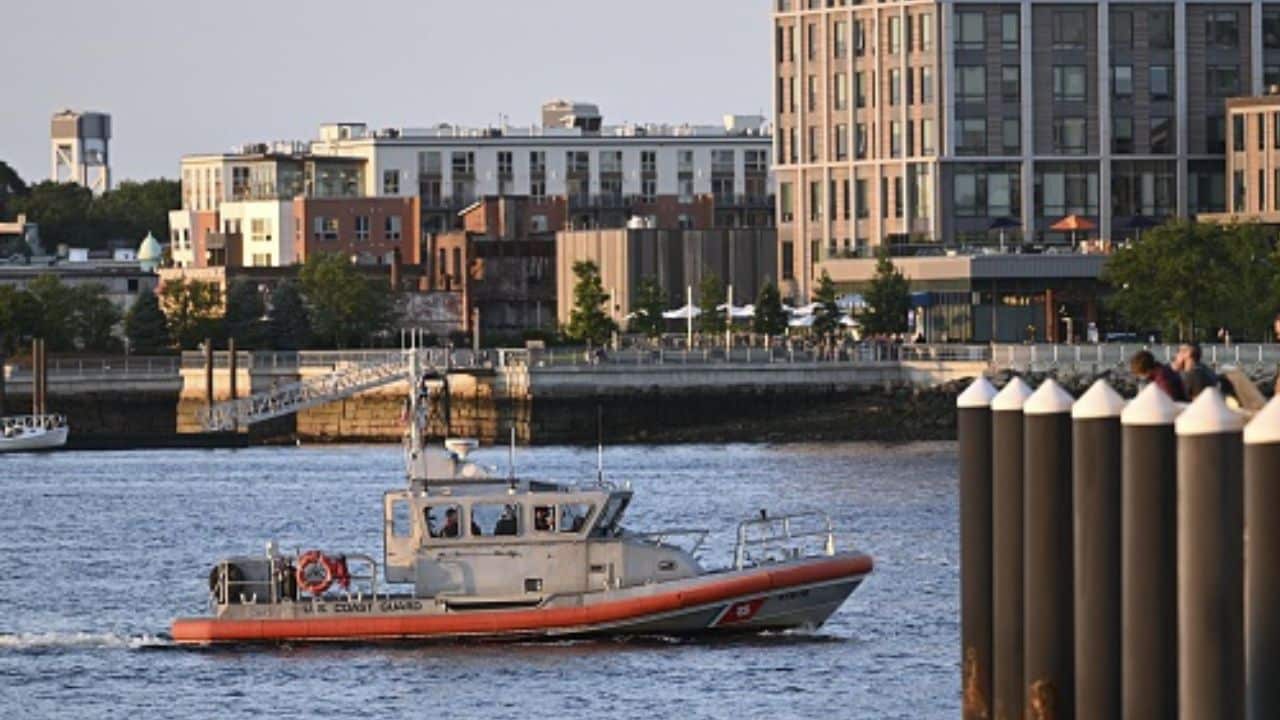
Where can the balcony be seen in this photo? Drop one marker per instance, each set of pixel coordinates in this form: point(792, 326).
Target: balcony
point(728, 200)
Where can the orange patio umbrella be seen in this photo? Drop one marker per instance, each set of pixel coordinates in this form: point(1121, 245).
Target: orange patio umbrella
point(1071, 224)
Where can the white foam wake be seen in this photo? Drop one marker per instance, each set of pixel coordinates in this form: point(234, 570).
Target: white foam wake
point(69, 640)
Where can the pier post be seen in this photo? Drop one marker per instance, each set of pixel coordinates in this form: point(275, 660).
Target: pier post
point(1006, 556)
point(1262, 563)
point(1149, 559)
point(1048, 665)
point(231, 374)
point(37, 376)
point(974, 433)
point(208, 374)
point(1095, 499)
point(1210, 561)
point(4, 395)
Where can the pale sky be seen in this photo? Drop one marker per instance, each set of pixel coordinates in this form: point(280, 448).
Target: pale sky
point(186, 76)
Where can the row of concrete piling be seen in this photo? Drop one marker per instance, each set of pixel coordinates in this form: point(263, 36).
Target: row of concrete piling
point(1118, 559)
point(39, 377)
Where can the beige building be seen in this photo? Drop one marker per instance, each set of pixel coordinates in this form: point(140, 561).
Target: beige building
point(922, 122)
point(745, 258)
point(1253, 160)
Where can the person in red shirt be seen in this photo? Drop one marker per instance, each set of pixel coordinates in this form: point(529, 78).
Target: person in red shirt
point(1143, 365)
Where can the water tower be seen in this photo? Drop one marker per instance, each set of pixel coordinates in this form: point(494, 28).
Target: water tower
point(79, 148)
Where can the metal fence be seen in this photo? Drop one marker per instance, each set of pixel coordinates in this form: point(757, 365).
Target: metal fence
point(1041, 358)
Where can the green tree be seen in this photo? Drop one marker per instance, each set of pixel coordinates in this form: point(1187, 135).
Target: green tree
point(146, 327)
point(244, 318)
point(888, 298)
point(94, 319)
point(346, 308)
point(1249, 306)
point(54, 306)
point(1175, 279)
point(11, 187)
point(650, 304)
point(826, 317)
point(710, 298)
point(588, 321)
point(133, 209)
point(288, 321)
point(19, 318)
point(193, 309)
point(62, 210)
point(770, 318)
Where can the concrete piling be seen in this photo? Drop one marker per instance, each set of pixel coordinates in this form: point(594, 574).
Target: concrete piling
point(974, 433)
point(1048, 666)
point(1148, 562)
point(1095, 499)
point(208, 374)
point(1007, 537)
point(1210, 561)
point(38, 369)
point(4, 394)
point(1262, 563)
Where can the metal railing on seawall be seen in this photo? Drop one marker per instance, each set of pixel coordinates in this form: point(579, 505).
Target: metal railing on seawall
point(1043, 358)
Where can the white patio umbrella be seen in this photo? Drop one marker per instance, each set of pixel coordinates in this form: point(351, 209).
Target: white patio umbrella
point(803, 310)
point(851, 301)
point(685, 312)
point(848, 321)
point(802, 321)
point(738, 312)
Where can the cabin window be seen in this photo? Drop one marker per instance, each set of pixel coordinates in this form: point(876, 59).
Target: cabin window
point(573, 516)
point(495, 520)
point(607, 524)
point(400, 525)
point(544, 518)
point(443, 521)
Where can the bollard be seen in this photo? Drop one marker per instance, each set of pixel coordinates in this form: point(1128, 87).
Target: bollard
point(974, 433)
point(4, 397)
point(1095, 499)
point(1048, 667)
point(208, 374)
point(1006, 555)
point(1262, 563)
point(1148, 563)
point(1210, 560)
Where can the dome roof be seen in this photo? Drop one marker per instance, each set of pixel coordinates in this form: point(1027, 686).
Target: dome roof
point(150, 248)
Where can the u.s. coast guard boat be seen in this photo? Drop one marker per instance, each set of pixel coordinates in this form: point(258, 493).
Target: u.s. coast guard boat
point(468, 554)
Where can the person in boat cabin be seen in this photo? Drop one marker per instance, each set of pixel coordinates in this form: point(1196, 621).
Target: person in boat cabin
point(506, 524)
point(544, 520)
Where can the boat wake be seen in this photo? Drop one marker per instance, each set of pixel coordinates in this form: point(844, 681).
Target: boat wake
point(53, 641)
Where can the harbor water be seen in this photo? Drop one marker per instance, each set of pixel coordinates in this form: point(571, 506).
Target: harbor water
point(102, 550)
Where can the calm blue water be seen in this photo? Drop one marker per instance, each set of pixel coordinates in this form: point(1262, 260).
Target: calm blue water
point(101, 550)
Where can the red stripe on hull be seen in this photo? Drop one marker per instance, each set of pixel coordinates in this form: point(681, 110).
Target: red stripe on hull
point(514, 622)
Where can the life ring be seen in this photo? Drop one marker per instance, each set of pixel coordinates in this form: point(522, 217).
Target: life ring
point(317, 572)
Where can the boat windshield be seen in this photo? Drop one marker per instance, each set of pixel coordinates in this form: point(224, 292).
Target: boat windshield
point(607, 524)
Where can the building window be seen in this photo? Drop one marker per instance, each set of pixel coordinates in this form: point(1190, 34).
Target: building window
point(1160, 28)
point(1068, 30)
point(1262, 131)
point(260, 230)
point(970, 31)
point(812, 103)
point(538, 162)
point(362, 228)
point(577, 162)
point(1122, 134)
point(1161, 85)
point(814, 150)
point(1065, 188)
point(971, 83)
point(972, 138)
point(895, 139)
point(1237, 133)
point(895, 34)
point(842, 142)
point(895, 86)
point(390, 182)
point(860, 141)
point(897, 197)
point(538, 191)
point(1011, 135)
point(1009, 30)
point(839, 47)
point(463, 163)
point(1221, 29)
point(842, 91)
point(1121, 28)
point(506, 164)
point(1238, 191)
point(862, 208)
point(1217, 135)
point(1069, 136)
point(392, 228)
point(815, 201)
point(1069, 84)
point(859, 90)
point(1122, 81)
point(648, 190)
point(1224, 80)
point(1162, 142)
point(811, 40)
point(859, 38)
point(926, 84)
point(1275, 134)
point(1270, 76)
point(926, 31)
point(1010, 83)
point(1271, 29)
point(926, 137)
point(325, 228)
point(786, 202)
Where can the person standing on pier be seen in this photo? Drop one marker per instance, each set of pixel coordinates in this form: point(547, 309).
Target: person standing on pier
point(1144, 366)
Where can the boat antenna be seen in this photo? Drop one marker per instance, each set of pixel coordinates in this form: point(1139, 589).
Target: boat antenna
point(600, 444)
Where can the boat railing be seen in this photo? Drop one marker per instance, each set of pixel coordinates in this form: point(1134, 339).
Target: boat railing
point(777, 538)
point(361, 569)
point(662, 537)
point(34, 422)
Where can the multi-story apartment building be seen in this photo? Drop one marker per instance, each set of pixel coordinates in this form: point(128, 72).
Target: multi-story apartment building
point(1253, 160)
point(922, 122)
point(367, 193)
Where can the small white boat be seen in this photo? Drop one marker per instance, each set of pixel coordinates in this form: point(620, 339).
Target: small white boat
point(24, 433)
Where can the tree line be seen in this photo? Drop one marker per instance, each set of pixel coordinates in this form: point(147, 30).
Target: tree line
point(330, 305)
point(70, 214)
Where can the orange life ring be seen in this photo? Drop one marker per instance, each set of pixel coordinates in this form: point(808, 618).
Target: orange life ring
point(308, 578)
